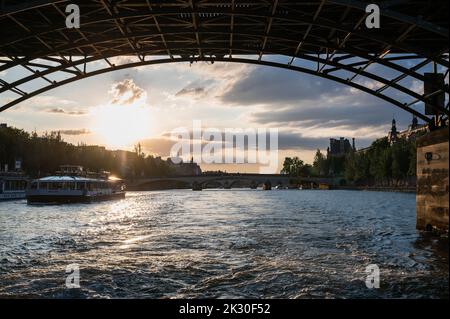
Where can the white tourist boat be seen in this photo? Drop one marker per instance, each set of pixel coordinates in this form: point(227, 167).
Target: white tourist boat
point(12, 186)
point(74, 185)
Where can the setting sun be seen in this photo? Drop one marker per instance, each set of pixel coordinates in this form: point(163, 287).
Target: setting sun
point(120, 126)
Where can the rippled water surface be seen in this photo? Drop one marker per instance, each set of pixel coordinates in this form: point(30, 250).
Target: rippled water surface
point(222, 244)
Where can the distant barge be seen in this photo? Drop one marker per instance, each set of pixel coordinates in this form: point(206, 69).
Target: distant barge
point(74, 185)
point(12, 186)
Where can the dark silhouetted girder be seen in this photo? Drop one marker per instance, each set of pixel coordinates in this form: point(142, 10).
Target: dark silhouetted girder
point(330, 34)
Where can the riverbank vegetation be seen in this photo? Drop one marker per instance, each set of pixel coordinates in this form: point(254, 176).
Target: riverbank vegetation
point(42, 155)
point(380, 164)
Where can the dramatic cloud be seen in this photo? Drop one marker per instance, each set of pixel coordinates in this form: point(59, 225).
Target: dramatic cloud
point(211, 80)
point(328, 114)
point(347, 115)
point(293, 99)
point(266, 85)
point(126, 92)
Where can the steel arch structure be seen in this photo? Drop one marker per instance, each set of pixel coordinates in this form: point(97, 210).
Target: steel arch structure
point(325, 38)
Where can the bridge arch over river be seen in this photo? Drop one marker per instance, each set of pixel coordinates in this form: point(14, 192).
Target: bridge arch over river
point(324, 38)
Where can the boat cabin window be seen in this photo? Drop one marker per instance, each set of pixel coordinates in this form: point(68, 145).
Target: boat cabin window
point(55, 185)
point(91, 186)
point(15, 185)
point(60, 186)
point(80, 186)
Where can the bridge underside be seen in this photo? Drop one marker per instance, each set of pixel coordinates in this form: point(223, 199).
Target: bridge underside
point(325, 38)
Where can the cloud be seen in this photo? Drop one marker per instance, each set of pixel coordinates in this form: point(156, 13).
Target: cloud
point(74, 132)
point(218, 70)
point(342, 112)
point(126, 92)
point(292, 141)
point(45, 102)
point(214, 79)
point(196, 92)
point(118, 60)
point(266, 85)
point(293, 99)
point(63, 111)
point(159, 146)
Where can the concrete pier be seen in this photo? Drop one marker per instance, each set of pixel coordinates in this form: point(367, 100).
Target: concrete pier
point(432, 199)
point(196, 186)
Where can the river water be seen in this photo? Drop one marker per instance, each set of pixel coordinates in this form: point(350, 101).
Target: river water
point(222, 244)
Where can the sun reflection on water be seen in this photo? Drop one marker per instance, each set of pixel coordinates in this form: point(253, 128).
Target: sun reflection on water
point(237, 243)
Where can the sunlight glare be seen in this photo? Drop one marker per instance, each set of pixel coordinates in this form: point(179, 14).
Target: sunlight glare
point(121, 126)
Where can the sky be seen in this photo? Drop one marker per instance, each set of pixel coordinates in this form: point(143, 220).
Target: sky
point(145, 104)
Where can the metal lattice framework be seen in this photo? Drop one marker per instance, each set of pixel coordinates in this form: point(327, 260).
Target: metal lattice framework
point(325, 38)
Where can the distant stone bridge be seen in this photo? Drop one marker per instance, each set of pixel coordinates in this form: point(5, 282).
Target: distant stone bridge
point(227, 181)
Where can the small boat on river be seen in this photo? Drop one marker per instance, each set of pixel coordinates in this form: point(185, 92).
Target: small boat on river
point(72, 184)
point(13, 185)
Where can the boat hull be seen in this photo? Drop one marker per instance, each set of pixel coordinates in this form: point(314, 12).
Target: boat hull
point(68, 199)
point(12, 196)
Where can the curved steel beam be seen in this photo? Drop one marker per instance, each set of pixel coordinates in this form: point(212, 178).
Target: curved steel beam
point(311, 42)
point(28, 5)
point(238, 60)
point(304, 19)
point(417, 21)
point(373, 59)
